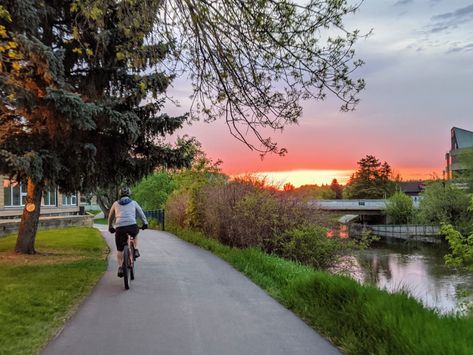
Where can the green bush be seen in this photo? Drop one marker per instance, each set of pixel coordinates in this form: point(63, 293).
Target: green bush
point(153, 223)
point(399, 208)
point(443, 202)
point(153, 191)
point(461, 247)
point(310, 245)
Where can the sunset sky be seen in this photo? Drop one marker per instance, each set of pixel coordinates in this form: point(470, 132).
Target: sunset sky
point(419, 74)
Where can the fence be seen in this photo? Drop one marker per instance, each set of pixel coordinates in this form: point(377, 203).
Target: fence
point(158, 215)
point(418, 232)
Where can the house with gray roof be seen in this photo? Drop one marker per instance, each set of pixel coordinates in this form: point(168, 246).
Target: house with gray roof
point(461, 142)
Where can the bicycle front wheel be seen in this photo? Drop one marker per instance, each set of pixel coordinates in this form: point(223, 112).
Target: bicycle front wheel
point(126, 267)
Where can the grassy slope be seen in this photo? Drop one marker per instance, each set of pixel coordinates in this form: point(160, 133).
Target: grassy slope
point(359, 319)
point(37, 292)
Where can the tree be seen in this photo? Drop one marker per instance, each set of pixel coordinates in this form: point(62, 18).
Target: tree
point(337, 189)
point(82, 79)
point(373, 179)
point(183, 201)
point(153, 191)
point(443, 202)
point(399, 208)
point(80, 106)
point(288, 187)
point(466, 161)
point(253, 61)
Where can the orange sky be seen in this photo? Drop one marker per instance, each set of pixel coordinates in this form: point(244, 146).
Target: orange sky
point(323, 176)
point(316, 155)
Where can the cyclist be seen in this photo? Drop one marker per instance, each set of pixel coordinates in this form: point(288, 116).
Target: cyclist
point(124, 212)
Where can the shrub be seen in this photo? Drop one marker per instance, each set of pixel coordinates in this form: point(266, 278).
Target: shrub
point(399, 208)
point(176, 208)
point(310, 245)
point(461, 247)
point(443, 202)
point(152, 223)
point(243, 214)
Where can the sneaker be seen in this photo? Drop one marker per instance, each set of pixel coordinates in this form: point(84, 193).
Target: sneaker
point(120, 272)
point(137, 254)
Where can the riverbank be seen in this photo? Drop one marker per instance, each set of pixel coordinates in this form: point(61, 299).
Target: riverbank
point(415, 268)
point(38, 292)
point(359, 319)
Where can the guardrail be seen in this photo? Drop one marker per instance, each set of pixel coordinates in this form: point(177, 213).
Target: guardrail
point(418, 232)
point(354, 205)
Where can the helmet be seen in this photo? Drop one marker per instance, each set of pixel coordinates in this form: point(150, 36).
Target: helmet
point(125, 191)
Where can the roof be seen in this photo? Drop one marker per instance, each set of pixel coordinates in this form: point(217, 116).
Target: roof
point(412, 186)
point(461, 138)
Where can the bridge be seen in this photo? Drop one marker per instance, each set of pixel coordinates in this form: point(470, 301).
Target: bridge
point(361, 207)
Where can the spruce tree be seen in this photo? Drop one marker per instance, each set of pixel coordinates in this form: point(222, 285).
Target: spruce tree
point(81, 98)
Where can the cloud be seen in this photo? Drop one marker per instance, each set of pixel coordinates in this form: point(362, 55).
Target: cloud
point(466, 48)
point(460, 13)
point(450, 20)
point(403, 2)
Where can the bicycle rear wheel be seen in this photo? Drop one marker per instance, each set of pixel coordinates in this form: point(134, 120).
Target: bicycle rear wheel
point(132, 262)
point(126, 267)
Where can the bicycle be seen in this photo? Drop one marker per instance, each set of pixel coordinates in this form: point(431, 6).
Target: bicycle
point(129, 259)
point(128, 265)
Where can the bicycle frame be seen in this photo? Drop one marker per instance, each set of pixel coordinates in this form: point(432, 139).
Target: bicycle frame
point(131, 248)
point(128, 265)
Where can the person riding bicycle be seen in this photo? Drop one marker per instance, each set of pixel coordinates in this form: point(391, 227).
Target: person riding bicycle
point(124, 212)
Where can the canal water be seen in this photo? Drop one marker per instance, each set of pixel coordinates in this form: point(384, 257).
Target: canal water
point(417, 269)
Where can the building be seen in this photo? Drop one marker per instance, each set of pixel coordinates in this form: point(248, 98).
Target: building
point(53, 203)
point(413, 189)
point(461, 142)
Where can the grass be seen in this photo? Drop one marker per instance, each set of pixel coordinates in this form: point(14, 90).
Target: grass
point(38, 292)
point(359, 319)
point(101, 221)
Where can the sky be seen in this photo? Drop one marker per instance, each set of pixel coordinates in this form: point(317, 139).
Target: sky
point(419, 74)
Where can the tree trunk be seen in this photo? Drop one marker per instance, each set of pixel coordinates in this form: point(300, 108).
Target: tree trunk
point(103, 206)
point(30, 218)
point(105, 199)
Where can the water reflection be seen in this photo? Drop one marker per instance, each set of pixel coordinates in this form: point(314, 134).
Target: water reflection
point(418, 270)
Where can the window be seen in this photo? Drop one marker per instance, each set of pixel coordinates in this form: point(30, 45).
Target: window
point(49, 197)
point(69, 200)
point(14, 194)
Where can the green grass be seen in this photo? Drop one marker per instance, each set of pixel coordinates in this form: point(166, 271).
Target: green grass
point(101, 221)
point(38, 292)
point(359, 319)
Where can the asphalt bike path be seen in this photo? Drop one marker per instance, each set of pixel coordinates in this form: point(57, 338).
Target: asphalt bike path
point(184, 300)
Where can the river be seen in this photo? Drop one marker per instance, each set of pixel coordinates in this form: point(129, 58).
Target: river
point(418, 269)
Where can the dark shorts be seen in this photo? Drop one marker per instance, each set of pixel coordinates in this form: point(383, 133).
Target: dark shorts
point(121, 235)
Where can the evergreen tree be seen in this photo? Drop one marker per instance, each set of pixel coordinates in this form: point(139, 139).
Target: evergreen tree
point(80, 106)
point(373, 179)
point(337, 189)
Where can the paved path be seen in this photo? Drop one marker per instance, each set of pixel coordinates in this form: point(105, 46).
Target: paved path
point(183, 301)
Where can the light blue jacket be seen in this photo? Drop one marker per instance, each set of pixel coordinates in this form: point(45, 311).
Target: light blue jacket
point(125, 211)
